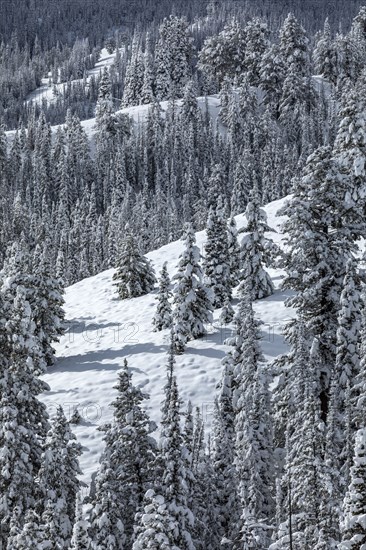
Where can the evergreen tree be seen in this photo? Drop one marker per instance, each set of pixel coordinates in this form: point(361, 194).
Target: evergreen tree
point(348, 335)
point(272, 76)
point(216, 262)
point(294, 46)
point(32, 535)
point(134, 275)
point(320, 241)
point(223, 55)
point(255, 250)
point(256, 33)
point(302, 482)
point(350, 155)
point(157, 526)
point(49, 314)
point(223, 444)
point(354, 508)
point(233, 251)
point(126, 470)
point(325, 55)
point(168, 521)
point(24, 420)
point(253, 430)
point(172, 58)
point(80, 535)
point(192, 301)
point(58, 482)
point(163, 315)
point(227, 313)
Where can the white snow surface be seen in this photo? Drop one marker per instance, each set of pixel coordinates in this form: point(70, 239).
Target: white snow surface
point(104, 330)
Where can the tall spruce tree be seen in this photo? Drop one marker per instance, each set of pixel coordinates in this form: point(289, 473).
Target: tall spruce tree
point(354, 508)
point(134, 274)
point(216, 263)
point(168, 521)
point(127, 467)
point(253, 432)
point(192, 300)
point(24, 420)
point(255, 251)
point(58, 482)
point(163, 315)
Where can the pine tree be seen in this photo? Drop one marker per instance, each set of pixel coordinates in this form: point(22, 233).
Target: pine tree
point(320, 241)
point(350, 154)
point(255, 250)
point(163, 315)
point(173, 451)
point(256, 33)
point(272, 76)
point(302, 482)
point(325, 55)
point(32, 535)
point(216, 262)
point(157, 526)
point(147, 90)
point(202, 492)
point(347, 365)
point(126, 470)
point(294, 46)
point(58, 482)
point(224, 469)
point(80, 536)
point(253, 430)
point(24, 419)
point(49, 314)
point(192, 301)
point(134, 275)
point(227, 312)
point(343, 391)
point(172, 58)
point(354, 507)
point(233, 251)
point(223, 55)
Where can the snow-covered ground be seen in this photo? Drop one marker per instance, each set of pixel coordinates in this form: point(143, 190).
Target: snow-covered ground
point(46, 92)
point(103, 331)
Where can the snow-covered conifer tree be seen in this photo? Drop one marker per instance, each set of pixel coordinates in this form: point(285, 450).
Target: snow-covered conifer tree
point(134, 274)
point(167, 520)
point(233, 251)
point(126, 469)
point(216, 262)
point(32, 535)
point(23, 418)
point(325, 55)
point(227, 313)
point(319, 238)
point(58, 482)
point(48, 311)
point(80, 534)
point(163, 315)
point(256, 251)
point(253, 430)
point(192, 300)
point(224, 470)
point(354, 507)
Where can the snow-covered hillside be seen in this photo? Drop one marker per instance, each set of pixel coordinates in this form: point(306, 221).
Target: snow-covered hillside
point(103, 331)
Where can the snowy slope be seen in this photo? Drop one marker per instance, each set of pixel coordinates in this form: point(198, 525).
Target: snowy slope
point(104, 330)
point(46, 92)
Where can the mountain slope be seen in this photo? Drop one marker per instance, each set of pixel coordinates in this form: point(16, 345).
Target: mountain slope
point(104, 330)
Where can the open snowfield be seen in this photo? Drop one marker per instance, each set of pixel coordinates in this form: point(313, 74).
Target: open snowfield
point(104, 330)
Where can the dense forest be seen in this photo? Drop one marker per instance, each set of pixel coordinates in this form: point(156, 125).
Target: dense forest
point(245, 103)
